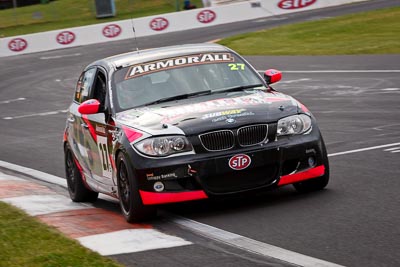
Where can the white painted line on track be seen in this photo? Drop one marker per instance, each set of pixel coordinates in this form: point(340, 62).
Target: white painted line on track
point(61, 56)
point(295, 81)
point(131, 240)
point(390, 89)
point(12, 100)
point(37, 114)
point(338, 71)
point(393, 148)
point(362, 149)
point(34, 173)
point(395, 151)
point(248, 244)
point(44, 204)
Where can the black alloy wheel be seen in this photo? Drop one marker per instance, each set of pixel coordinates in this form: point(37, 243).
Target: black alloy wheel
point(124, 188)
point(129, 198)
point(76, 188)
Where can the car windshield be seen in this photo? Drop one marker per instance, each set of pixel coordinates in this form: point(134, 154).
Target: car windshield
point(181, 77)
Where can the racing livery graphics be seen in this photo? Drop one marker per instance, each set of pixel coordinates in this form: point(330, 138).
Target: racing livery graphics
point(186, 123)
point(160, 65)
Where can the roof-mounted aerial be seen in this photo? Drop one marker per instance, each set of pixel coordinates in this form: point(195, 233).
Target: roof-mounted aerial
point(134, 36)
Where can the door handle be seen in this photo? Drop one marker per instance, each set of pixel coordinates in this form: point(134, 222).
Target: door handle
point(84, 125)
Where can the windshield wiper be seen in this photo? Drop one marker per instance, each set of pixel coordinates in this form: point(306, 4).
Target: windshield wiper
point(237, 88)
point(178, 97)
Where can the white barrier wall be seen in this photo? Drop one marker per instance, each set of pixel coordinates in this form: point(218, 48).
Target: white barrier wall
point(171, 22)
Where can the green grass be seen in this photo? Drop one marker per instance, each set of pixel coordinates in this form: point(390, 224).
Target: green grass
point(375, 32)
point(24, 241)
point(61, 14)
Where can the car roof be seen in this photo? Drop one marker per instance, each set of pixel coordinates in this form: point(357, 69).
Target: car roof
point(127, 59)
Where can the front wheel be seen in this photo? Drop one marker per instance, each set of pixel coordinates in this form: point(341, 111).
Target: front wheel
point(130, 201)
point(76, 188)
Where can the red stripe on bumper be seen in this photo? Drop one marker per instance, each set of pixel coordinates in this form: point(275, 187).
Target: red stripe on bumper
point(151, 198)
point(301, 176)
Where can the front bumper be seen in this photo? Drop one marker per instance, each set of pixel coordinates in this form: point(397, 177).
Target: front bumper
point(154, 198)
point(286, 161)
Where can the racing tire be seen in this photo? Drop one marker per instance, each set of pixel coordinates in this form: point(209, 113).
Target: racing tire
point(315, 184)
point(129, 198)
point(77, 190)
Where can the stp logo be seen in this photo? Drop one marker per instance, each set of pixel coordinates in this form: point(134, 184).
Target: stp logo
point(159, 24)
point(206, 16)
point(112, 30)
point(295, 4)
point(239, 162)
point(65, 37)
point(17, 44)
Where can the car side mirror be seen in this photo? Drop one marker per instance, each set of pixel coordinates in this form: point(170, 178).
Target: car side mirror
point(272, 76)
point(91, 106)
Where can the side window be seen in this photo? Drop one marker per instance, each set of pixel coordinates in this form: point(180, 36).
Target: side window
point(84, 85)
point(100, 88)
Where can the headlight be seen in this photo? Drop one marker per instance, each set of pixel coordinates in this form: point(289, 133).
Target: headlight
point(297, 124)
point(164, 146)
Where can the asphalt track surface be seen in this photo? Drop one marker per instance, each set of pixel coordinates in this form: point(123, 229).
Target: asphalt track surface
point(355, 222)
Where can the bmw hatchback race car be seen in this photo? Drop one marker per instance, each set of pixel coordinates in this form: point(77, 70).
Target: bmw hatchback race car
point(186, 123)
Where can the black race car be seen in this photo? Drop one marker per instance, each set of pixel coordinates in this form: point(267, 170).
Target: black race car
point(184, 123)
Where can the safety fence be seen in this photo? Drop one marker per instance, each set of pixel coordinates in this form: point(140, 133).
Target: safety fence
point(146, 26)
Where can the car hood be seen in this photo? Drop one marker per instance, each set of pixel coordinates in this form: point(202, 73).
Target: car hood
point(212, 112)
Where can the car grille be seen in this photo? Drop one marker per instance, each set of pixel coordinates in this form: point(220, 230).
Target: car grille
point(225, 139)
point(241, 180)
point(252, 135)
point(217, 141)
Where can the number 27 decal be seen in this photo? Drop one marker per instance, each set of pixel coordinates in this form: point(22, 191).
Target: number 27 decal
point(236, 66)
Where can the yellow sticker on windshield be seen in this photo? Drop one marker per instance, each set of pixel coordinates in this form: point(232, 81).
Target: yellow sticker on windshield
point(236, 66)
